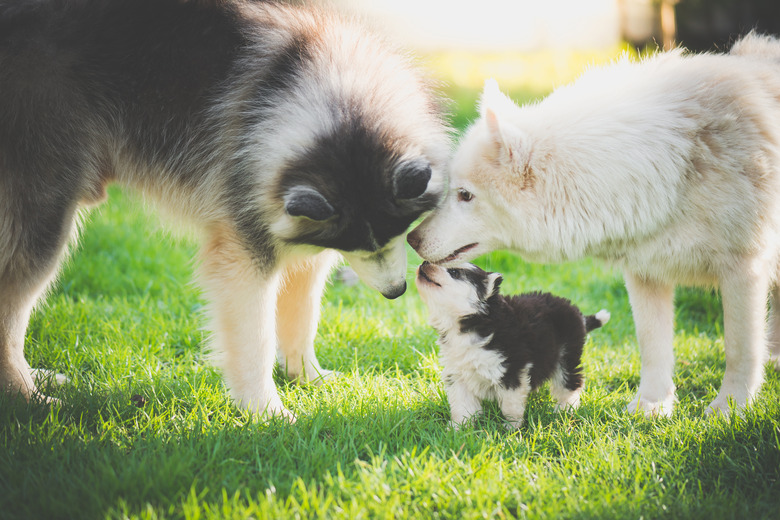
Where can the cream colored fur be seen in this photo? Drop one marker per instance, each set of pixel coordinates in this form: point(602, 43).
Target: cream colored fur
point(668, 168)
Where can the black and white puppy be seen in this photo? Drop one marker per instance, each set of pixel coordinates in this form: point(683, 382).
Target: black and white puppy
point(502, 347)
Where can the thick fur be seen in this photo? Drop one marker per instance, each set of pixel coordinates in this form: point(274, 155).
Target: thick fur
point(280, 134)
point(502, 347)
point(668, 167)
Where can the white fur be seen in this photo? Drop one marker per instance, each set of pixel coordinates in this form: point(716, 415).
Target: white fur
point(668, 168)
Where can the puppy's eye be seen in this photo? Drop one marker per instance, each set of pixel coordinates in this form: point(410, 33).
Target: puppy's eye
point(464, 195)
point(454, 273)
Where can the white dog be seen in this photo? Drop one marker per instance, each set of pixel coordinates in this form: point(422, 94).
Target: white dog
point(668, 168)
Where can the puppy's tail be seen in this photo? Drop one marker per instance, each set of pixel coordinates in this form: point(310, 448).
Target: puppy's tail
point(595, 321)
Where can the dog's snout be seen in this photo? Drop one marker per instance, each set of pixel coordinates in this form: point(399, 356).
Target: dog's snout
point(395, 292)
point(414, 239)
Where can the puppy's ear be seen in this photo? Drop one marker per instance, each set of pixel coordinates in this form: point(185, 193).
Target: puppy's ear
point(305, 201)
point(410, 179)
point(493, 284)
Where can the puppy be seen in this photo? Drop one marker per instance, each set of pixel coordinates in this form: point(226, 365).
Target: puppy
point(502, 347)
point(668, 168)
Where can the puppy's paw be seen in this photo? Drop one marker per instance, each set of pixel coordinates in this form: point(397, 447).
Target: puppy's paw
point(650, 408)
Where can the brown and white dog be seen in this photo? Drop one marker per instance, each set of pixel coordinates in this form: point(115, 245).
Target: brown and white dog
point(280, 134)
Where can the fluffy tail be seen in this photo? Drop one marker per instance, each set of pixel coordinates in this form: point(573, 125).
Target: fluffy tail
point(596, 320)
point(758, 46)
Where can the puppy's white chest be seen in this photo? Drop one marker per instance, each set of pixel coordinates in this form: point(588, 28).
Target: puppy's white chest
point(478, 369)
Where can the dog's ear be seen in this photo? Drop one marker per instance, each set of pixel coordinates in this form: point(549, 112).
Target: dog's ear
point(305, 201)
point(493, 99)
point(512, 147)
point(410, 179)
point(493, 284)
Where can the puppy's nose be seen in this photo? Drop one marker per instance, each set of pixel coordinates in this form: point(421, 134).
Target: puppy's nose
point(414, 239)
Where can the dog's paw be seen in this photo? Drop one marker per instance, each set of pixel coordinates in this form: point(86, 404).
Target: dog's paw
point(724, 405)
point(317, 378)
point(662, 408)
point(43, 377)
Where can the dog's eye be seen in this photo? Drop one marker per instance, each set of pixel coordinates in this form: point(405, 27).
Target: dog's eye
point(454, 273)
point(464, 195)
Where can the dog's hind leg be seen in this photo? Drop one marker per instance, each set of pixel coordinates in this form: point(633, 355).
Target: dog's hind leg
point(652, 305)
point(743, 292)
point(566, 385)
point(513, 400)
point(33, 238)
point(298, 313)
point(242, 308)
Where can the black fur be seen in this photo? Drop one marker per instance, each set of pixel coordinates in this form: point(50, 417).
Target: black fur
point(537, 328)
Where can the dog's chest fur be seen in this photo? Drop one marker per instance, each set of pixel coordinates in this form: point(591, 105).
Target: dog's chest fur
point(520, 336)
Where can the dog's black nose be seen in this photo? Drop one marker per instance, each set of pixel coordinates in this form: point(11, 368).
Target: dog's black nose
point(395, 292)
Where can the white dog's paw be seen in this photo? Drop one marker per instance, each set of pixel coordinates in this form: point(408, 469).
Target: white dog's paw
point(264, 408)
point(724, 404)
point(315, 377)
point(651, 408)
point(44, 377)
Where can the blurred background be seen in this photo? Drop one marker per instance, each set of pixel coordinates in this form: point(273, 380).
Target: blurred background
point(531, 46)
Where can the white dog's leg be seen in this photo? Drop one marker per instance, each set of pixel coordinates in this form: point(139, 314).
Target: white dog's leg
point(242, 308)
point(298, 315)
point(653, 307)
point(744, 322)
point(774, 327)
point(463, 403)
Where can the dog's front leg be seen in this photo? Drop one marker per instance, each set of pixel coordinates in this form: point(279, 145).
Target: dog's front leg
point(652, 304)
point(744, 320)
point(298, 315)
point(464, 405)
point(242, 308)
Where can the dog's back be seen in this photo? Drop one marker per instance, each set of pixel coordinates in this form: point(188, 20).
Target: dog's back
point(540, 330)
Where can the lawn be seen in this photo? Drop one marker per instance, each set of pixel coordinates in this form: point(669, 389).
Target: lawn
point(146, 429)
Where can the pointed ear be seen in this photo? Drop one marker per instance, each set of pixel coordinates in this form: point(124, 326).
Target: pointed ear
point(410, 180)
point(492, 98)
point(512, 145)
point(493, 284)
point(494, 127)
point(305, 201)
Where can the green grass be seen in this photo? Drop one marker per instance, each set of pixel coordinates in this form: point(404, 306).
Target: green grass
point(125, 320)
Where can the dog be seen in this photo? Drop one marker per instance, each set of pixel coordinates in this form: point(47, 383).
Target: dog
point(281, 135)
point(501, 347)
point(668, 167)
